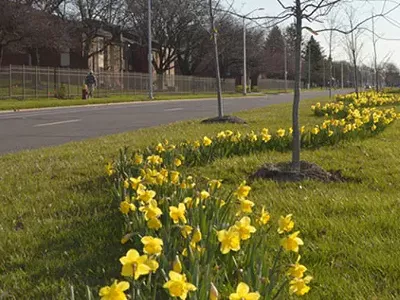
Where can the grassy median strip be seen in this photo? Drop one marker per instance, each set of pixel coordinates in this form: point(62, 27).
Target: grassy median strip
point(14, 104)
point(59, 227)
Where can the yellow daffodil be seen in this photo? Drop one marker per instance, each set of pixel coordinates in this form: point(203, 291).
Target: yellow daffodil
point(135, 182)
point(152, 245)
point(174, 177)
point(153, 264)
point(266, 137)
point(292, 242)
point(299, 287)
point(204, 195)
point(145, 196)
point(252, 137)
point(125, 207)
point(134, 265)
point(115, 291)
point(188, 201)
point(177, 265)
point(244, 228)
point(178, 285)
point(246, 206)
point(280, 132)
point(138, 159)
point(297, 270)
point(315, 130)
point(229, 239)
point(196, 236)
point(242, 191)
point(177, 162)
point(178, 213)
point(196, 144)
point(154, 223)
point(126, 184)
point(207, 141)
point(151, 210)
point(285, 224)
point(221, 135)
point(109, 169)
point(126, 238)
point(160, 148)
point(214, 295)
point(243, 293)
point(186, 230)
point(154, 159)
point(215, 184)
point(264, 217)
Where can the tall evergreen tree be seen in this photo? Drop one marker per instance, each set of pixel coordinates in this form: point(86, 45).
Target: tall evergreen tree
point(314, 63)
point(274, 54)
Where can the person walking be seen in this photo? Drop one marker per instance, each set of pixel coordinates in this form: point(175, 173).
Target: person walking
point(91, 83)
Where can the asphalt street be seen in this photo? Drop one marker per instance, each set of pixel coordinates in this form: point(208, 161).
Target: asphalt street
point(32, 129)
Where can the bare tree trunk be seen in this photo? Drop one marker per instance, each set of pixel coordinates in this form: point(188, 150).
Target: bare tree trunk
point(375, 55)
point(1, 54)
point(355, 72)
point(218, 75)
point(330, 75)
point(296, 99)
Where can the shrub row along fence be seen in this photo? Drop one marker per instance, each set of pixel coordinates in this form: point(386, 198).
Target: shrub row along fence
point(24, 82)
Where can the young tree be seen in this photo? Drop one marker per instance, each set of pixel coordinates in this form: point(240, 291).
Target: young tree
point(353, 44)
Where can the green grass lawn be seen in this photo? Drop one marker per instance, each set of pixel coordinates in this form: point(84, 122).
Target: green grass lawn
point(59, 227)
point(53, 102)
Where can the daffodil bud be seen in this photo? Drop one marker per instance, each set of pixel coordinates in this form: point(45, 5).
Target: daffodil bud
point(176, 265)
point(214, 295)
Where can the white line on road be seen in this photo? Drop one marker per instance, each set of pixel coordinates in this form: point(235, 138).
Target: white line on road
point(173, 109)
point(57, 123)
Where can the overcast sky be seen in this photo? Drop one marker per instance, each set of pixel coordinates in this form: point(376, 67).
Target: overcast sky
point(363, 9)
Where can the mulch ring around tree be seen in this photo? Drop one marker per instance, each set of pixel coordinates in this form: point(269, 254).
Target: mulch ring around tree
point(281, 172)
point(224, 119)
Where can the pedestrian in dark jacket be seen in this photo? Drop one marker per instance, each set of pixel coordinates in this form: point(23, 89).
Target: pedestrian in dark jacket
point(91, 83)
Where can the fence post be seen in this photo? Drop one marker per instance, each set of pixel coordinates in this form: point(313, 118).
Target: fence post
point(36, 79)
point(10, 83)
point(23, 82)
point(48, 82)
point(69, 82)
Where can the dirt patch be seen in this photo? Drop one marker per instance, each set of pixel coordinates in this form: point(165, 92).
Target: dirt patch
point(224, 119)
point(282, 172)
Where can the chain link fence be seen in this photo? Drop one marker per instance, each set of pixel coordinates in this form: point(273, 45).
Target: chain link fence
point(22, 82)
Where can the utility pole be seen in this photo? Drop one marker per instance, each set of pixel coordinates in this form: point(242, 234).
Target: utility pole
point(309, 66)
point(244, 59)
point(285, 57)
point(150, 54)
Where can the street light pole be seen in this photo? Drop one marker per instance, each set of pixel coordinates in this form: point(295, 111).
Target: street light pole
point(244, 51)
point(244, 59)
point(150, 54)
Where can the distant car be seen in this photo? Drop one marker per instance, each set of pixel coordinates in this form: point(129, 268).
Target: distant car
point(368, 87)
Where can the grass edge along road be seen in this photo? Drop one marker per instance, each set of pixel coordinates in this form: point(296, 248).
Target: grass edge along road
point(15, 104)
point(60, 227)
point(53, 102)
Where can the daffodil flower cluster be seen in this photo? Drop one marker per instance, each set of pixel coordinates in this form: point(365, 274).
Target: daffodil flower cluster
point(344, 103)
point(189, 236)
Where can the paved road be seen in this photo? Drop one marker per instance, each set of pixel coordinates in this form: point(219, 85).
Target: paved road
point(46, 127)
